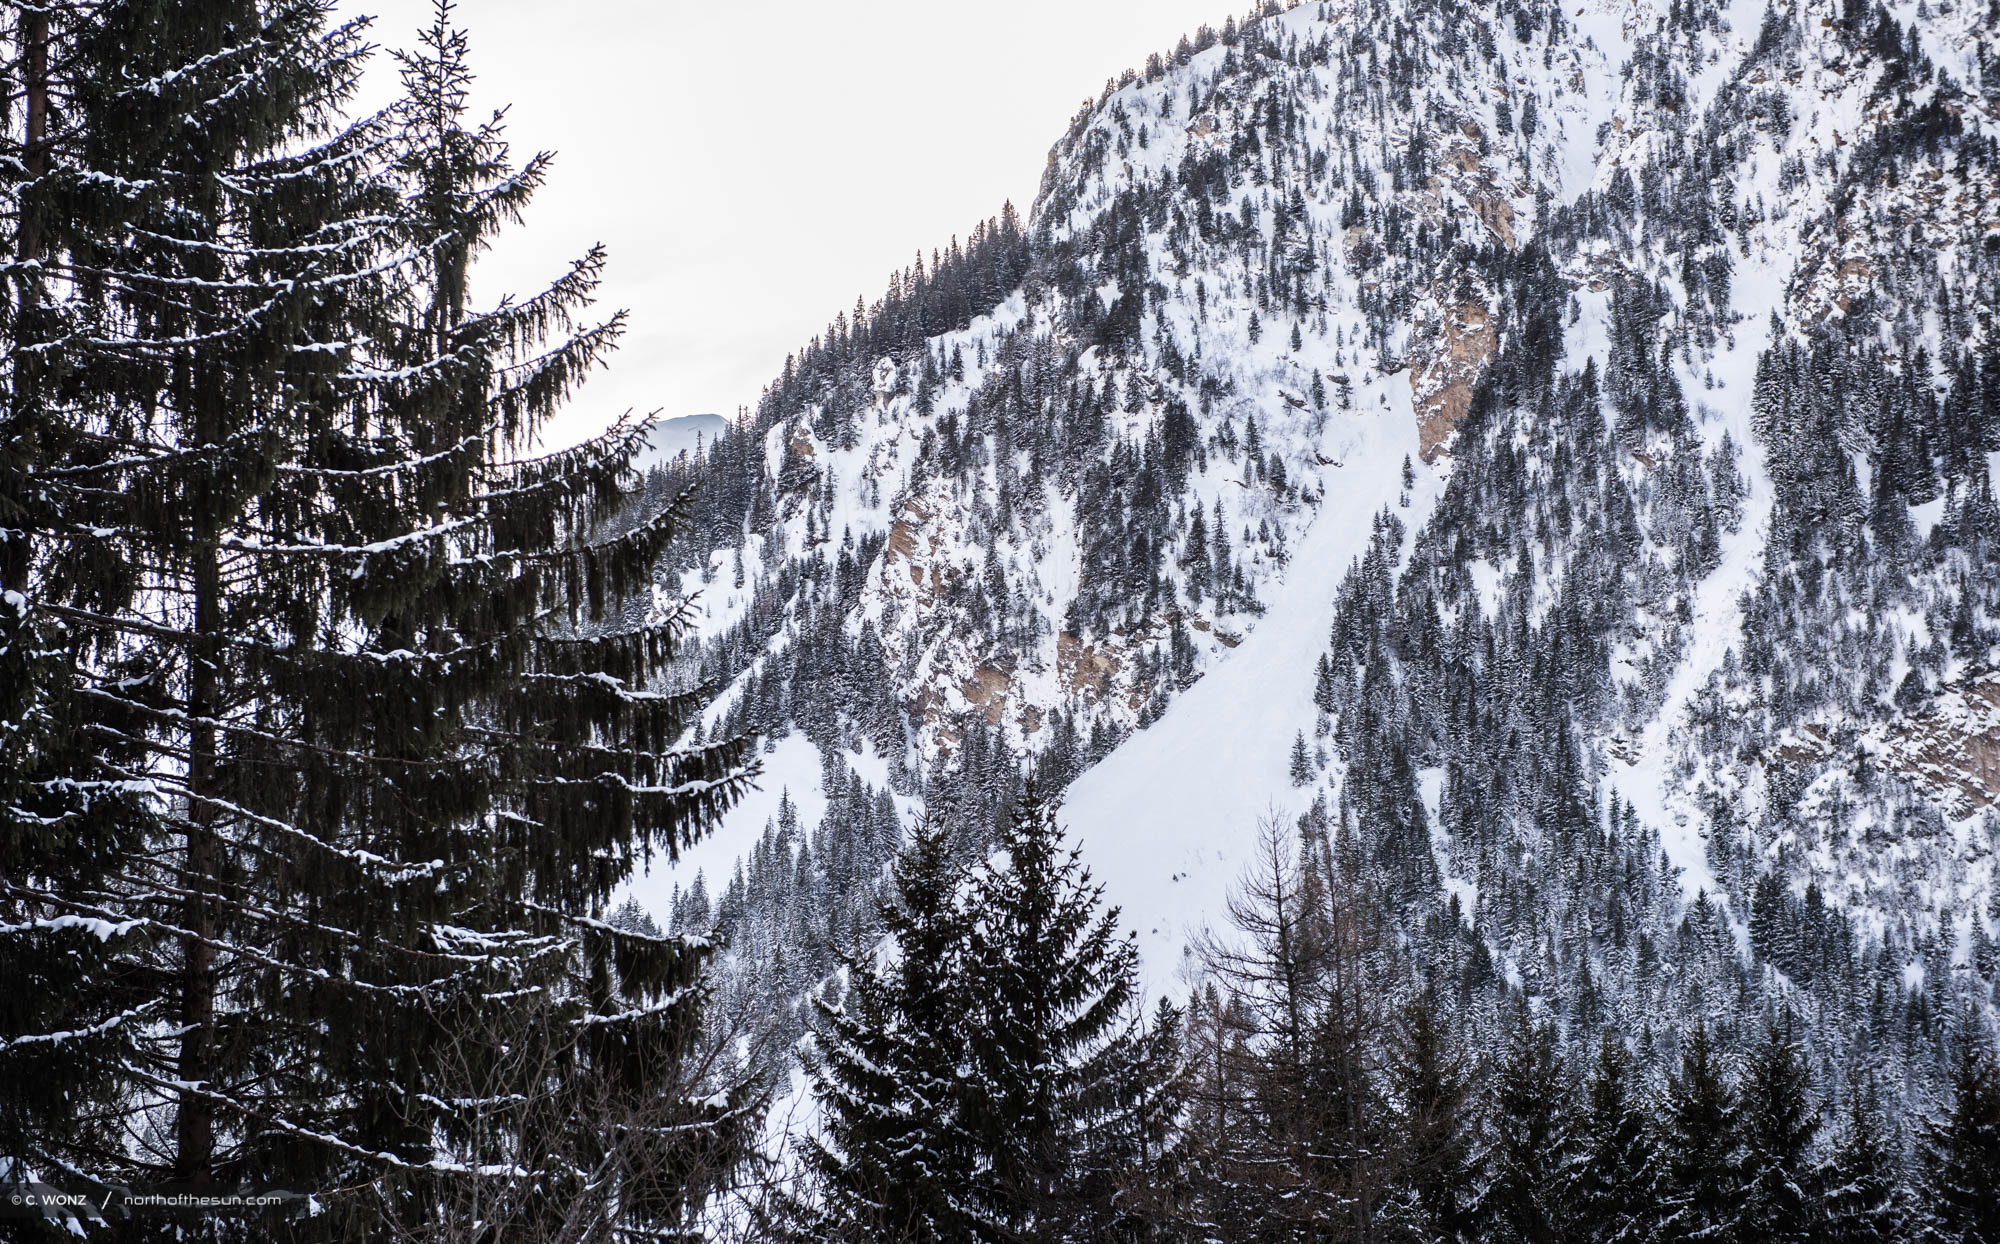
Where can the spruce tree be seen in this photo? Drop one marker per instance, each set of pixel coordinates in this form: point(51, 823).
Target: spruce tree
point(892, 1159)
point(336, 637)
point(68, 1019)
point(1782, 1198)
point(1960, 1152)
point(1862, 1202)
point(1435, 1120)
point(1528, 1196)
point(1062, 1098)
point(1701, 1148)
point(1616, 1175)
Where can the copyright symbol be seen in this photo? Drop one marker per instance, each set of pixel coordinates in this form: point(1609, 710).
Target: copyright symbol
point(13, 1198)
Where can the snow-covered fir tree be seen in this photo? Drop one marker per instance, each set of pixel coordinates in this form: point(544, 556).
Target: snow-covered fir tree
point(321, 765)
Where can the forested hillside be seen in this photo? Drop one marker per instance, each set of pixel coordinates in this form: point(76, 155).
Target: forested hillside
point(1409, 654)
point(1541, 458)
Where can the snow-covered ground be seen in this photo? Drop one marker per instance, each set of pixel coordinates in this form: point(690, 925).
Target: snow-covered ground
point(1167, 822)
point(791, 767)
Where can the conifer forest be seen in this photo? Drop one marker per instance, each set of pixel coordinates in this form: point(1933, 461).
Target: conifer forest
point(1410, 654)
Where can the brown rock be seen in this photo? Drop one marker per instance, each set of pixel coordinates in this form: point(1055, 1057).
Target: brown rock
point(1447, 358)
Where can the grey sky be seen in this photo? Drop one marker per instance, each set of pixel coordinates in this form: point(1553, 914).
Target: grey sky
point(752, 168)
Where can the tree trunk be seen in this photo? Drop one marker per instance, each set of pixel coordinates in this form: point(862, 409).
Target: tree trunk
point(34, 145)
point(195, 1147)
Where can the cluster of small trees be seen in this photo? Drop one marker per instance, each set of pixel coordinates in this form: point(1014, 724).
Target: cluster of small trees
point(984, 1076)
point(1355, 1091)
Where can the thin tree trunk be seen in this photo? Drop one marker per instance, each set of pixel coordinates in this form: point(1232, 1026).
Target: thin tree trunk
point(34, 147)
point(26, 364)
point(195, 1148)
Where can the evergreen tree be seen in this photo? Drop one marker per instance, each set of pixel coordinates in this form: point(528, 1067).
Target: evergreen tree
point(1199, 568)
point(1616, 1177)
point(892, 1160)
point(1435, 1120)
point(1960, 1153)
point(380, 762)
point(1782, 1199)
point(1527, 1196)
point(1062, 1097)
point(1861, 1187)
point(69, 1021)
point(1701, 1149)
point(1325, 694)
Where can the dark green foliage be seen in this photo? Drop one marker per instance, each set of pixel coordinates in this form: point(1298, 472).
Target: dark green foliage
point(1863, 1203)
point(1960, 1152)
point(892, 1160)
point(1701, 1148)
point(1062, 1092)
point(67, 1018)
point(330, 642)
point(1617, 1174)
point(992, 1082)
point(1302, 770)
point(1435, 1112)
point(1530, 1163)
point(1783, 1199)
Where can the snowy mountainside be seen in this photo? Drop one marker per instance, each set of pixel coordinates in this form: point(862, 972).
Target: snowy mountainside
point(1662, 335)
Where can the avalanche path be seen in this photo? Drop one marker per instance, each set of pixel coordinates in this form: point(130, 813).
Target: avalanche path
point(1167, 822)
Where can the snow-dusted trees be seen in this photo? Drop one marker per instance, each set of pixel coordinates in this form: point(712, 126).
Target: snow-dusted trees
point(1961, 1150)
point(1616, 1176)
point(893, 1160)
point(1530, 1195)
point(1783, 1198)
point(308, 623)
point(1701, 1148)
point(1287, 1124)
point(990, 1080)
point(1434, 1117)
point(1064, 1096)
point(1345, 1086)
point(1862, 1195)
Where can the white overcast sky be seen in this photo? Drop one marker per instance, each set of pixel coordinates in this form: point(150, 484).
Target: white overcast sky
point(753, 167)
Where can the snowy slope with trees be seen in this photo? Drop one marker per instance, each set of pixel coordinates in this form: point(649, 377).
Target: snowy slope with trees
point(1087, 497)
point(1483, 516)
point(1075, 495)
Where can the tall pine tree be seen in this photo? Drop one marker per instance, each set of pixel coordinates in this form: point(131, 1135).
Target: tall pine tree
point(1701, 1148)
point(1862, 1203)
point(324, 632)
point(892, 1160)
point(1528, 1194)
point(1782, 1198)
point(1617, 1174)
point(1436, 1121)
point(69, 1020)
point(1062, 1098)
point(1960, 1152)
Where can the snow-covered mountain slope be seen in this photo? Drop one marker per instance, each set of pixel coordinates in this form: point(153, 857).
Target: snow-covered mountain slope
point(1664, 331)
point(1147, 816)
